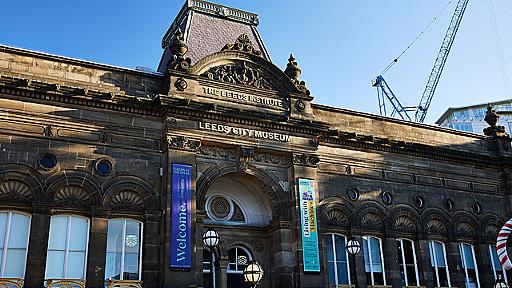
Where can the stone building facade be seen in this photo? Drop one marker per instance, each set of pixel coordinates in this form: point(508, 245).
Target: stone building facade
point(86, 152)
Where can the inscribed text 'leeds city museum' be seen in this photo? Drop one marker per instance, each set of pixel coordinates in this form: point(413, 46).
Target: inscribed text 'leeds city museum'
point(110, 176)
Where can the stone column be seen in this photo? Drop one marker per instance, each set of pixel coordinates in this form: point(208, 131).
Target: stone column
point(424, 264)
point(96, 257)
point(391, 265)
point(151, 250)
point(38, 246)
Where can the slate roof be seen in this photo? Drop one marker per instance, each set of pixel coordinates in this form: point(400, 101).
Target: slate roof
point(208, 27)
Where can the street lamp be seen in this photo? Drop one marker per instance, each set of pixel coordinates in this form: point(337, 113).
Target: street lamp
point(500, 283)
point(253, 273)
point(353, 247)
point(210, 240)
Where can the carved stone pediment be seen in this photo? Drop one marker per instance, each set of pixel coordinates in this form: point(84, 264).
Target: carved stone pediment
point(244, 74)
point(306, 160)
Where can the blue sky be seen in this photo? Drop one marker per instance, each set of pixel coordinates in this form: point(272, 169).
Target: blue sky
point(340, 45)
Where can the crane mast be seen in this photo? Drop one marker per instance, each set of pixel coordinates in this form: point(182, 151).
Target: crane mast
point(442, 56)
point(384, 91)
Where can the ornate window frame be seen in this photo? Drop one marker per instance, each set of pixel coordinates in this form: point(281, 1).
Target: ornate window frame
point(496, 265)
point(435, 264)
point(403, 266)
point(6, 240)
point(67, 250)
point(335, 261)
point(367, 247)
point(464, 259)
point(125, 221)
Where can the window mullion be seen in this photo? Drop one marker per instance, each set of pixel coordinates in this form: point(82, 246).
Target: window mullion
point(347, 262)
point(368, 244)
point(123, 250)
point(415, 265)
point(141, 238)
point(433, 251)
point(464, 262)
point(446, 266)
point(6, 243)
point(382, 267)
point(66, 249)
point(334, 257)
point(404, 266)
point(476, 267)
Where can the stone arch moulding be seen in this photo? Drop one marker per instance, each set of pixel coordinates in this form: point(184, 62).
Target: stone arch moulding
point(273, 190)
point(273, 72)
point(73, 188)
point(405, 219)
point(436, 222)
point(130, 192)
point(336, 212)
point(465, 225)
point(490, 225)
point(371, 216)
point(25, 175)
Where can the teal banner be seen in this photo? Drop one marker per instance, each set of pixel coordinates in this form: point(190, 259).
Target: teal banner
point(310, 253)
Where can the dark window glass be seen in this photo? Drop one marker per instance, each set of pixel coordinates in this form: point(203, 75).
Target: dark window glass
point(387, 198)
point(104, 167)
point(48, 161)
point(419, 201)
point(353, 194)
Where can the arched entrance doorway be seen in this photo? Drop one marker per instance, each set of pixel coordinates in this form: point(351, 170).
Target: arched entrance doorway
point(237, 205)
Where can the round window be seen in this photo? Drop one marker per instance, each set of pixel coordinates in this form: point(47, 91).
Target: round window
point(449, 205)
point(477, 208)
point(353, 194)
point(387, 198)
point(48, 161)
point(219, 208)
point(419, 201)
point(103, 167)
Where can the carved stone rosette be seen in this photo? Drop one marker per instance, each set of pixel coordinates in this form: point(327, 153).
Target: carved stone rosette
point(183, 143)
point(306, 160)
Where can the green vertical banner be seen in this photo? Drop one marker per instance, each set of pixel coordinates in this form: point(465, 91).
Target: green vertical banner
point(310, 252)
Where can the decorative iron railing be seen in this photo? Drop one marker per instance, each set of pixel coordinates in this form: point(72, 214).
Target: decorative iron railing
point(11, 283)
point(124, 284)
point(65, 283)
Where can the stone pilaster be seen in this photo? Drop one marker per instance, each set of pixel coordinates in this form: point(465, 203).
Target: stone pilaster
point(97, 250)
point(391, 264)
point(38, 246)
point(151, 251)
point(455, 264)
point(282, 254)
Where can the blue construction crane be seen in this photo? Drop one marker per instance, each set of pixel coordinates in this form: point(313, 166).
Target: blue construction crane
point(385, 94)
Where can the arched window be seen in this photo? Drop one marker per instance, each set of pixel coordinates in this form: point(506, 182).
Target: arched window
point(14, 232)
point(124, 250)
point(497, 269)
point(439, 264)
point(67, 247)
point(374, 261)
point(208, 270)
point(467, 255)
point(238, 258)
point(407, 262)
point(338, 268)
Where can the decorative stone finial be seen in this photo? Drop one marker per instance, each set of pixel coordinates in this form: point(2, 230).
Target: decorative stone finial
point(179, 48)
point(242, 43)
point(293, 72)
point(491, 118)
point(292, 69)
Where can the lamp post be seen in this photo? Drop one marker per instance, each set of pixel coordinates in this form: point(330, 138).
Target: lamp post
point(253, 273)
point(210, 240)
point(353, 247)
point(500, 283)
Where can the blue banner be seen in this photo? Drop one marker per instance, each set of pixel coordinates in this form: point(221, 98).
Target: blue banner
point(180, 219)
point(310, 254)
